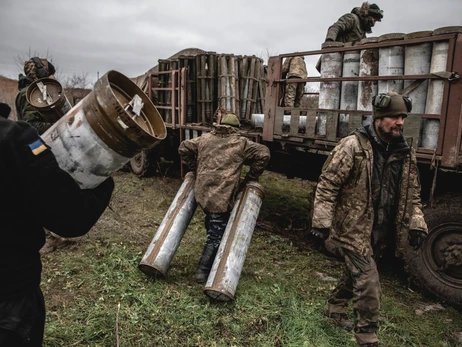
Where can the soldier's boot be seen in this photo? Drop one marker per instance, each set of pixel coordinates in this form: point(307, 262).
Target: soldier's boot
point(341, 320)
point(205, 263)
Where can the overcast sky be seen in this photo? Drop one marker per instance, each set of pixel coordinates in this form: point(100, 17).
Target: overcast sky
point(90, 37)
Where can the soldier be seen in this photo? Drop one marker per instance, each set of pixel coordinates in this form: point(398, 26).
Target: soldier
point(368, 197)
point(294, 68)
point(217, 159)
point(352, 27)
point(35, 68)
point(38, 194)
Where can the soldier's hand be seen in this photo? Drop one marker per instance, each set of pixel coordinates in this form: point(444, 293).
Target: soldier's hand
point(322, 233)
point(416, 238)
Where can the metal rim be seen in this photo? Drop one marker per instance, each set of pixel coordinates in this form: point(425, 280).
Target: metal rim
point(441, 249)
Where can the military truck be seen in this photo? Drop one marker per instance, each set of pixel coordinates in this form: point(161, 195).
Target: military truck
point(422, 65)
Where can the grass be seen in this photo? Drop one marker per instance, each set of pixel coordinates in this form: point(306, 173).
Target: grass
point(96, 296)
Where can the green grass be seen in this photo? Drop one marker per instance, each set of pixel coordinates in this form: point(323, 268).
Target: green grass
point(279, 300)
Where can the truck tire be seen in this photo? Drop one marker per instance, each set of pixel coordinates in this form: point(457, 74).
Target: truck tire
point(141, 164)
point(437, 265)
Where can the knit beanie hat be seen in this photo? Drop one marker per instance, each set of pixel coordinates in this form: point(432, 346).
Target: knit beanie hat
point(390, 104)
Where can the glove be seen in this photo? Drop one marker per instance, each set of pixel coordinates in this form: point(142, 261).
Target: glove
point(416, 238)
point(322, 233)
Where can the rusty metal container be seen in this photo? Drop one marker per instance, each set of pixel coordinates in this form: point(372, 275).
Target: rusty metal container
point(349, 90)
point(391, 63)
point(167, 238)
point(47, 96)
point(226, 270)
point(100, 134)
point(329, 92)
point(368, 66)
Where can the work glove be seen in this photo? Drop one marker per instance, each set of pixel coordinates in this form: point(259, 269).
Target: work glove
point(416, 238)
point(322, 233)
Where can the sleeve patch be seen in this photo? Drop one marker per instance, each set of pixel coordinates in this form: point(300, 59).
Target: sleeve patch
point(37, 147)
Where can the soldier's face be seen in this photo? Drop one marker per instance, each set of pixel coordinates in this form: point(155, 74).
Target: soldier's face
point(389, 127)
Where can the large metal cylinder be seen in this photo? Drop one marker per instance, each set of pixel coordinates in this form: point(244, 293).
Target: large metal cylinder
point(349, 90)
point(417, 62)
point(100, 134)
point(47, 96)
point(226, 269)
point(368, 66)
point(434, 101)
point(391, 63)
point(167, 238)
point(329, 92)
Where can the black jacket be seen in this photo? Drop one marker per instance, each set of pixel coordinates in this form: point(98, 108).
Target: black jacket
point(37, 194)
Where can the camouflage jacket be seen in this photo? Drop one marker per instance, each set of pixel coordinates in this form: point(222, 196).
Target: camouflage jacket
point(347, 28)
point(343, 201)
point(294, 67)
point(217, 158)
point(27, 112)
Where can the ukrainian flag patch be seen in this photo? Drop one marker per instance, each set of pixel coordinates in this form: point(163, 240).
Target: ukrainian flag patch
point(37, 147)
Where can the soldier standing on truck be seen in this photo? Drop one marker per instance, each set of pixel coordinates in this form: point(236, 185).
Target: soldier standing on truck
point(294, 68)
point(367, 198)
point(353, 26)
point(217, 159)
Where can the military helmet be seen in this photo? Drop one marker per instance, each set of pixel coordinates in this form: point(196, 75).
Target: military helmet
point(375, 12)
point(231, 119)
point(390, 104)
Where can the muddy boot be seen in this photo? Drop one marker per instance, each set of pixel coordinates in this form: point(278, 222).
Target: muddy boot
point(205, 263)
point(341, 320)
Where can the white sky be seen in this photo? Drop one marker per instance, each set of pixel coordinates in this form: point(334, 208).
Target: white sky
point(91, 37)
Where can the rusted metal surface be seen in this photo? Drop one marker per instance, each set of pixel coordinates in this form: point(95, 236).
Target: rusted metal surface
point(226, 270)
point(47, 96)
point(156, 261)
point(452, 122)
point(101, 133)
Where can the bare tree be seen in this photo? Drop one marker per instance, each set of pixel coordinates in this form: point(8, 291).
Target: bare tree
point(265, 54)
point(19, 60)
point(77, 81)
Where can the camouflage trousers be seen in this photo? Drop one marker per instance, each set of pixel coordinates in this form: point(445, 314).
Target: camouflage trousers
point(293, 93)
point(359, 283)
point(215, 225)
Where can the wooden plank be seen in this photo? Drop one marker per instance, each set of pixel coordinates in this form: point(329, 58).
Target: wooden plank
point(411, 128)
point(279, 117)
point(294, 123)
point(331, 125)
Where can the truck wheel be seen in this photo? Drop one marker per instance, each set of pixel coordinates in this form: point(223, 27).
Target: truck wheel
point(437, 266)
point(141, 164)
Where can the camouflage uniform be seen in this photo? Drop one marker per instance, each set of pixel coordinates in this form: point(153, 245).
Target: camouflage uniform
point(28, 113)
point(347, 203)
point(348, 28)
point(217, 158)
point(294, 67)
